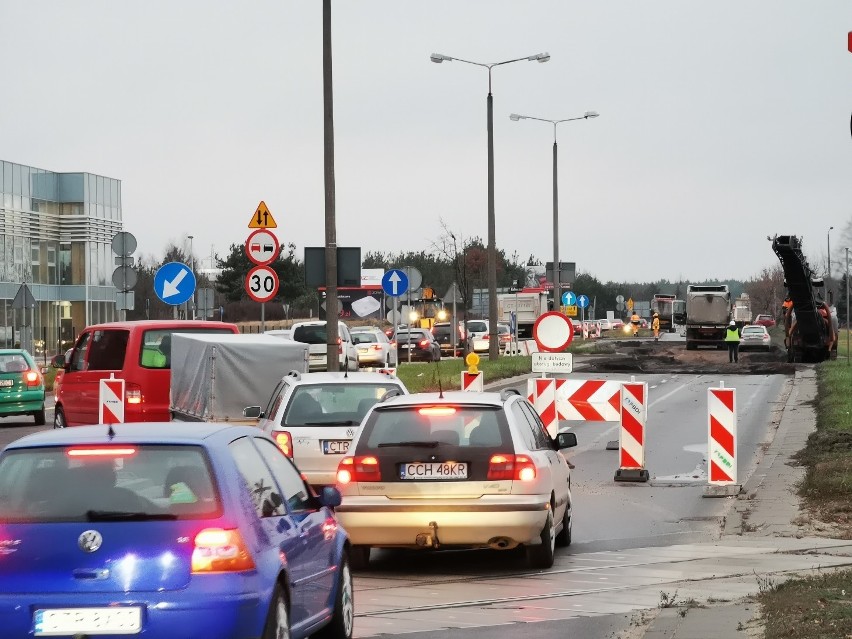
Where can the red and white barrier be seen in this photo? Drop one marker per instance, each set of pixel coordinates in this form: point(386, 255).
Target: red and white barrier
point(590, 400)
point(111, 401)
point(472, 382)
point(634, 415)
point(722, 437)
point(545, 404)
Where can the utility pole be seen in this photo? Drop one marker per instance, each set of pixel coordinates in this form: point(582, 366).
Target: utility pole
point(331, 311)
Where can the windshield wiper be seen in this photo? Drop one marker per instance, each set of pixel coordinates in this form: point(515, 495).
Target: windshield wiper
point(343, 422)
point(123, 515)
point(411, 444)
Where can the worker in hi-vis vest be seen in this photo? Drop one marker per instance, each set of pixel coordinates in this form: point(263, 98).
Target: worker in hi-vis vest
point(655, 324)
point(732, 339)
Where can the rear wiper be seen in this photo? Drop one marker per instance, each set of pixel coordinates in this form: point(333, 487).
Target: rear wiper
point(411, 444)
point(343, 422)
point(123, 515)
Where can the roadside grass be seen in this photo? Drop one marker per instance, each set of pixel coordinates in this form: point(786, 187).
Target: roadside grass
point(49, 377)
point(818, 607)
point(424, 377)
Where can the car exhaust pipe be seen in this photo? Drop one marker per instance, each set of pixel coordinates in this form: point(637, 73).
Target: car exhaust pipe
point(502, 543)
point(430, 539)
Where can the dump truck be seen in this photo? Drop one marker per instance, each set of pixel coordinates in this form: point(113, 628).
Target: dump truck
point(741, 312)
point(810, 324)
point(708, 311)
point(214, 377)
point(529, 304)
point(667, 307)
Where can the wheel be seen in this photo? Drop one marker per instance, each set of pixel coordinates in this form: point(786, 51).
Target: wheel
point(59, 418)
point(343, 619)
point(39, 417)
point(359, 557)
point(541, 556)
point(563, 539)
point(278, 618)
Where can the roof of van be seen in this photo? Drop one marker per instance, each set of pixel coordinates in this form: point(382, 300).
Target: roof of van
point(172, 323)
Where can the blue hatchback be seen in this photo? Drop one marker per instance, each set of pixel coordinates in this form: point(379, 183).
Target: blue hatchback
point(167, 530)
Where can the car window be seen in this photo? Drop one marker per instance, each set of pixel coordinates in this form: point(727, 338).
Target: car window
point(310, 334)
point(477, 327)
point(333, 404)
point(107, 350)
point(412, 336)
point(365, 338)
point(527, 432)
point(156, 349)
point(14, 363)
point(78, 361)
point(542, 438)
point(296, 493)
point(462, 426)
point(754, 329)
point(261, 486)
point(275, 400)
point(60, 483)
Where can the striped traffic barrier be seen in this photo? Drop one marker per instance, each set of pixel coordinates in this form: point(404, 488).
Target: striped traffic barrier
point(545, 404)
point(722, 442)
point(472, 382)
point(111, 401)
point(631, 450)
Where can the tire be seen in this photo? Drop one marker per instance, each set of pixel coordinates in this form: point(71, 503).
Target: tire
point(541, 556)
point(563, 539)
point(278, 618)
point(59, 418)
point(39, 417)
point(359, 557)
point(343, 619)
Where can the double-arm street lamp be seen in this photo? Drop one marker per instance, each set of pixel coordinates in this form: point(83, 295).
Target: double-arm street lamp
point(493, 343)
point(557, 291)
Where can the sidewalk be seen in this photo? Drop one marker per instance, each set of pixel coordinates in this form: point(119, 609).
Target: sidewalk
point(767, 507)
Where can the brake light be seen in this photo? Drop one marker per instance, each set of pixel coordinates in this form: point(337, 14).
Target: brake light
point(358, 469)
point(437, 411)
point(285, 443)
point(424, 343)
point(220, 550)
point(32, 378)
point(376, 347)
point(511, 467)
point(102, 451)
point(133, 395)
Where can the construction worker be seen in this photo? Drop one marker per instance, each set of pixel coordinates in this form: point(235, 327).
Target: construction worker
point(732, 339)
point(635, 320)
point(655, 324)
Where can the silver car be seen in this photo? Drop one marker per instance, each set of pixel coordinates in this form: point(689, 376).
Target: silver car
point(456, 470)
point(313, 416)
point(374, 348)
point(755, 336)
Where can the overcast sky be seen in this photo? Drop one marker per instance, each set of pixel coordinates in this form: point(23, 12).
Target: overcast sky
point(720, 122)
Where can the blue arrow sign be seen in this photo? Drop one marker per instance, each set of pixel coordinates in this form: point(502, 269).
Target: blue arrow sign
point(174, 283)
point(582, 301)
point(394, 282)
point(569, 298)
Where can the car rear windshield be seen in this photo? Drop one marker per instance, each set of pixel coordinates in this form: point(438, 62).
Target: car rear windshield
point(157, 345)
point(115, 482)
point(754, 329)
point(310, 334)
point(412, 336)
point(13, 363)
point(333, 404)
point(477, 327)
point(365, 338)
point(424, 425)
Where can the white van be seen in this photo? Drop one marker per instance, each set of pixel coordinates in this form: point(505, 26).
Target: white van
point(314, 335)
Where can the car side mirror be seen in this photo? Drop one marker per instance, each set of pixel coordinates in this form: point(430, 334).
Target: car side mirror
point(566, 440)
point(252, 412)
point(57, 361)
point(330, 497)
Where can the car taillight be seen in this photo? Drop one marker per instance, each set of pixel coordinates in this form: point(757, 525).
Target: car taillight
point(393, 344)
point(511, 467)
point(220, 550)
point(358, 469)
point(423, 343)
point(376, 347)
point(101, 451)
point(133, 395)
point(285, 442)
point(32, 378)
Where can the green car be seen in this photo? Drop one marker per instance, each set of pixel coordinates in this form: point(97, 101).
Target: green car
point(21, 385)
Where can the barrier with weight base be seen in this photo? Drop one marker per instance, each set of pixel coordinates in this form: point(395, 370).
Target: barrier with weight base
point(634, 413)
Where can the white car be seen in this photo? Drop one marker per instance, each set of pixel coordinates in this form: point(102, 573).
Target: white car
point(456, 470)
point(313, 416)
point(374, 348)
point(283, 333)
point(313, 334)
point(477, 335)
point(755, 336)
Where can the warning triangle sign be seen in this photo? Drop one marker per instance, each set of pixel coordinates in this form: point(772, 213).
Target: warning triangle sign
point(262, 218)
point(23, 298)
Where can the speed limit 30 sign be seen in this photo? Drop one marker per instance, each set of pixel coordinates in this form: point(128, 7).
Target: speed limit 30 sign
point(262, 283)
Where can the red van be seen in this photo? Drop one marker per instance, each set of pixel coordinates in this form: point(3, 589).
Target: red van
point(137, 352)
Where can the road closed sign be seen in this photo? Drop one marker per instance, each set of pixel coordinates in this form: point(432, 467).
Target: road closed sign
point(553, 332)
point(262, 283)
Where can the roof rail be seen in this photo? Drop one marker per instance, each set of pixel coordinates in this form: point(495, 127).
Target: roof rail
point(393, 392)
point(506, 392)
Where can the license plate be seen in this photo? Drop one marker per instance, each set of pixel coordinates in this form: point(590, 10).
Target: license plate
point(433, 470)
point(335, 446)
point(88, 621)
point(5, 383)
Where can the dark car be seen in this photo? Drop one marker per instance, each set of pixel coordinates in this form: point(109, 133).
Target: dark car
point(443, 335)
point(419, 343)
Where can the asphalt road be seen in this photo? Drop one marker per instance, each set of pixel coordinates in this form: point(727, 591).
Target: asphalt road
point(12, 428)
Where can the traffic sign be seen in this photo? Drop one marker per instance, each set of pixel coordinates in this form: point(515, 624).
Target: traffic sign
point(569, 298)
point(630, 304)
point(553, 332)
point(124, 278)
point(583, 301)
point(174, 283)
point(262, 247)
point(394, 282)
point(552, 362)
point(415, 279)
point(619, 299)
point(123, 243)
point(262, 218)
point(262, 283)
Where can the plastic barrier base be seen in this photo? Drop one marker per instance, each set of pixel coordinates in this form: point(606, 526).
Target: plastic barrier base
point(728, 490)
point(632, 474)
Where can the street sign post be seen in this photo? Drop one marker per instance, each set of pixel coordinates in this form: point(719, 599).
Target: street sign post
point(395, 282)
point(262, 247)
point(569, 298)
point(583, 303)
point(262, 283)
point(174, 283)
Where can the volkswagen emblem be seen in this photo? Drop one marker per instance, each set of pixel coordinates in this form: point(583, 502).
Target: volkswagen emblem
point(350, 432)
point(90, 541)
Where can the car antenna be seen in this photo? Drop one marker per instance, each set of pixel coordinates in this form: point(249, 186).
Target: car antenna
point(440, 387)
point(110, 432)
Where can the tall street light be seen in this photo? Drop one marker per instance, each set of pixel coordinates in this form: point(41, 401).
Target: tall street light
point(828, 257)
point(493, 344)
point(557, 289)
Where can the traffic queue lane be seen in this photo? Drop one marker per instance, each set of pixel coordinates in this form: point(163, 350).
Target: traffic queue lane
point(12, 428)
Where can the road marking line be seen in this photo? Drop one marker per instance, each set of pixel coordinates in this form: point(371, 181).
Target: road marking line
point(667, 395)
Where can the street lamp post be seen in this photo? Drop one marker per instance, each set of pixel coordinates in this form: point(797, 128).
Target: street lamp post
point(828, 257)
point(493, 344)
point(557, 289)
point(192, 268)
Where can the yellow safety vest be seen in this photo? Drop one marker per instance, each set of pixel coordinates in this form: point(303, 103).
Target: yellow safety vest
point(732, 334)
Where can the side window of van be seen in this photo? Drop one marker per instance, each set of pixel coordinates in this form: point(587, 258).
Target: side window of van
point(78, 362)
point(107, 350)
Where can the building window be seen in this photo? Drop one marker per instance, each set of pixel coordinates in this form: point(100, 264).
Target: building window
point(51, 263)
point(65, 263)
point(35, 253)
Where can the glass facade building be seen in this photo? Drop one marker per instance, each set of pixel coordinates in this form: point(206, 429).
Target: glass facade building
point(56, 231)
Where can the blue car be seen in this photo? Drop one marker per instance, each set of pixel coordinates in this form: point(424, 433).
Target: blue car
point(167, 530)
